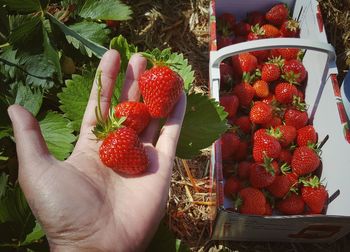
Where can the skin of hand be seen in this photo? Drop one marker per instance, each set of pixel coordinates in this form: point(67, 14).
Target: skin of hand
point(81, 204)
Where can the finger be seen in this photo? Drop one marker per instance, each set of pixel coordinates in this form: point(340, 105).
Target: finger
point(170, 132)
point(30, 144)
point(136, 66)
point(109, 66)
point(150, 133)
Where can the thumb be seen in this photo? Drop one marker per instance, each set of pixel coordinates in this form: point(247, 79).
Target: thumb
point(30, 144)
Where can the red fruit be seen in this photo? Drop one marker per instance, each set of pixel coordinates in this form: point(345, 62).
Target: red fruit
point(224, 41)
point(226, 75)
point(265, 146)
point(256, 17)
point(241, 152)
point(244, 63)
point(270, 72)
point(112, 23)
point(271, 31)
point(292, 205)
point(270, 100)
point(242, 29)
point(284, 92)
point(136, 113)
point(252, 201)
point(296, 118)
point(293, 178)
point(261, 88)
point(288, 134)
point(161, 88)
point(228, 169)
point(314, 195)
point(261, 55)
point(274, 122)
point(260, 113)
point(229, 144)
point(290, 28)
point(306, 135)
point(305, 160)
point(280, 186)
point(268, 209)
point(263, 175)
point(259, 134)
point(286, 53)
point(230, 104)
point(295, 70)
point(239, 39)
point(244, 123)
point(231, 186)
point(122, 151)
point(285, 156)
point(245, 93)
point(277, 14)
point(243, 169)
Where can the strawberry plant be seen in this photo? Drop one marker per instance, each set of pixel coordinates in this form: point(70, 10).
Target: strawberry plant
point(49, 51)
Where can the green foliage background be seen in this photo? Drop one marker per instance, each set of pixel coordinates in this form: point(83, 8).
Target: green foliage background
point(47, 65)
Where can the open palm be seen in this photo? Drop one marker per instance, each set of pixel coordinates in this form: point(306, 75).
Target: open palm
point(81, 204)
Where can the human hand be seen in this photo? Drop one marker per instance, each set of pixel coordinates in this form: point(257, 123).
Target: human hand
point(81, 204)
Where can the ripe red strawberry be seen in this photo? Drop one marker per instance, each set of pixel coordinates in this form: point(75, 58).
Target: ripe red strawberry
point(274, 122)
point(259, 134)
point(223, 41)
point(270, 72)
point(277, 14)
point(260, 113)
point(239, 39)
point(245, 93)
point(294, 69)
point(229, 144)
point(285, 156)
point(241, 152)
point(284, 92)
point(122, 151)
point(263, 175)
point(285, 53)
point(243, 169)
point(288, 134)
point(242, 29)
point(114, 24)
point(268, 209)
point(282, 184)
point(270, 31)
point(296, 118)
point(251, 201)
point(270, 100)
point(160, 88)
point(244, 63)
point(305, 160)
point(290, 28)
point(256, 33)
point(306, 135)
point(314, 194)
point(136, 113)
point(291, 205)
point(226, 76)
point(261, 88)
point(265, 146)
point(244, 123)
point(231, 186)
point(230, 104)
point(294, 179)
point(256, 17)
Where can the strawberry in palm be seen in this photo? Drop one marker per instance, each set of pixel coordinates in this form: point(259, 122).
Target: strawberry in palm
point(136, 113)
point(121, 149)
point(160, 88)
point(314, 194)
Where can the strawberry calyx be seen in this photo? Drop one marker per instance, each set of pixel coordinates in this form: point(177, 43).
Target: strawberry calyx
point(268, 165)
point(285, 168)
point(293, 25)
point(278, 61)
point(276, 133)
point(257, 30)
point(291, 77)
point(298, 104)
point(104, 125)
point(313, 182)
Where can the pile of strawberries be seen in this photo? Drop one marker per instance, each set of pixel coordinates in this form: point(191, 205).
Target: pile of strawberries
point(121, 148)
point(270, 154)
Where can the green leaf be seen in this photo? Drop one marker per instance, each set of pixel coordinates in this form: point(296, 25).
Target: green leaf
point(36, 234)
point(74, 97)
point(22, 6)
point(164, 240)
point(105, 10)
point(204, 122)
point(5, 132)
point(78, 40)
point(26, 32)
point(3, 184)
point(57, 134)
point(124, 48)
point(28, 98)
point(9, 55)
